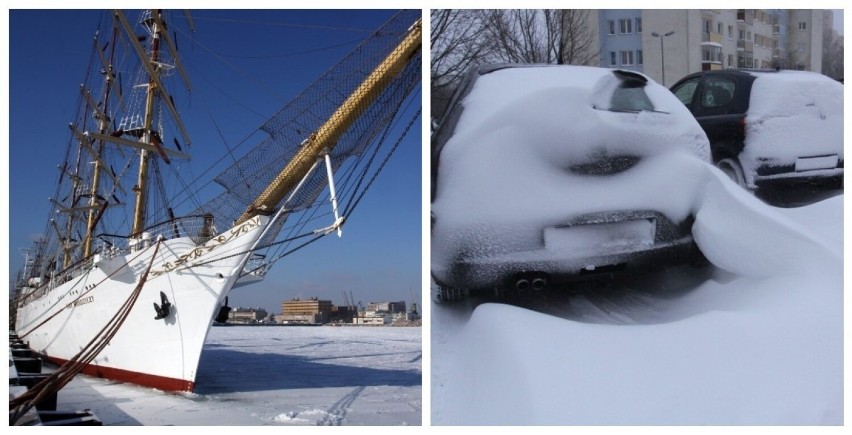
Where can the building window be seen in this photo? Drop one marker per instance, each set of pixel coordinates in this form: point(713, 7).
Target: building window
point(625, 26)
point(719, 28)
point(638, 25)
point(612, 59)
point(730, 32)
point(748, 36)
point(611, 24)
point(711, 54)
point(742, 35)
point(639, 57)
point(707, 25)
point(627, 57)
point(803, 25)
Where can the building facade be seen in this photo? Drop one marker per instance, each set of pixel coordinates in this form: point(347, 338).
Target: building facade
point(386, 307)
point(670, 44)
point(247, 315)
point(310, 310)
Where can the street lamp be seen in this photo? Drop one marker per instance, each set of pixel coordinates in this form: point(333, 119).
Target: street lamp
point(662, 52)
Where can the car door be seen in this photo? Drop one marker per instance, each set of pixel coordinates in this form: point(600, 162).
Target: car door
point(719, 103)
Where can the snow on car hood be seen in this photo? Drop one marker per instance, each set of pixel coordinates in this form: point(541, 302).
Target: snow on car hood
point(793, 114)
point(505, 173)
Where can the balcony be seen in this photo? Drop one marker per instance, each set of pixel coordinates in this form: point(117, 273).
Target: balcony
point(711, 37)
point(745, 15)
point(743, 45)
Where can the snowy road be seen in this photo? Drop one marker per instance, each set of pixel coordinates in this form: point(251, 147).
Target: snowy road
point(277, 376)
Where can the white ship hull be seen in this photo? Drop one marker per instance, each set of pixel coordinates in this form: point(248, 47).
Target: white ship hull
point(58, 322)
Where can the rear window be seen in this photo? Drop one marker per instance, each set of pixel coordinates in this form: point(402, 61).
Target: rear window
point(717, 92)
point(630, 95)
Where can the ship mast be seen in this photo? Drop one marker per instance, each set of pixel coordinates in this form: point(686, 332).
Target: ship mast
point(97, 209)
point(141, 188)
point(149, 140)
point(321, 142)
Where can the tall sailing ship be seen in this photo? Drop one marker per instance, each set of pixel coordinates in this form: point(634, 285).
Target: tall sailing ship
point(137, 305)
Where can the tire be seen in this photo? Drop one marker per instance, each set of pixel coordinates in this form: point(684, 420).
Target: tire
point(732, 168)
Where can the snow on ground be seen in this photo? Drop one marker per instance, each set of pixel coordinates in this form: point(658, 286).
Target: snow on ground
point(755, 340)
point(277, 376)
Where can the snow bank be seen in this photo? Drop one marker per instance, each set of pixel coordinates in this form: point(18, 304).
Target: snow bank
point(760, 346)
point(759, 341)
point(740, 234)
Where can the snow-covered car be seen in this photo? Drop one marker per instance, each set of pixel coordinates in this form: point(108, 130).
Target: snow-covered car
point(543, 174)
point(768, 128)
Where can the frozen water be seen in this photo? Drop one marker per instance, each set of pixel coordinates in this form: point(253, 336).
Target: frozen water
point(277, 376)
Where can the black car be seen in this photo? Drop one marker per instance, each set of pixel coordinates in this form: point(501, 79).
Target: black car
point(769, 128)
point(546, 174)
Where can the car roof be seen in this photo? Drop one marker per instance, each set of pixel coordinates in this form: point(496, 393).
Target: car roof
point(721, 72)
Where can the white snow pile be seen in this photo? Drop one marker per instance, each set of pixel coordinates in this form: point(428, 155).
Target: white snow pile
point(793, 114)
point(759, 343)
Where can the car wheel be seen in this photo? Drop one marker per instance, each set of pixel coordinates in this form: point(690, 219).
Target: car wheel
point(732, 168)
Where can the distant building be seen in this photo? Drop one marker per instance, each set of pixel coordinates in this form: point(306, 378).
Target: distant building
point(310, 310)
point(344, 314)
point(374, 321)
point(247, 315)
point(386, 307)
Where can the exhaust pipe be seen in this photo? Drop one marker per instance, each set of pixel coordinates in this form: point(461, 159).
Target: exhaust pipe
point(522, 284)
point(539, 284)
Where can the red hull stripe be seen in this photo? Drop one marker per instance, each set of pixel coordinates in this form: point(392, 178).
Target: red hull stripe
point(143, 379)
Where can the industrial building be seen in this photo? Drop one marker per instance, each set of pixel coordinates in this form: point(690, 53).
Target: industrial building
point(247, 315)
point(309, 311)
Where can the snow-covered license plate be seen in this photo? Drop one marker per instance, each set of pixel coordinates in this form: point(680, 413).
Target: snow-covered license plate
point(812, 163)
point(600, 236)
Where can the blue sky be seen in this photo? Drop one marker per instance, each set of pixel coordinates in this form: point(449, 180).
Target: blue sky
point(269, 57)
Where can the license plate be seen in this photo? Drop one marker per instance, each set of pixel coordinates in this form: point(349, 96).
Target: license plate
point(812, 163)
point(601, 236)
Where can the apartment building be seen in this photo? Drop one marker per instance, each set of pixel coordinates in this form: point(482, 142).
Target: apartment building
point(669, 44)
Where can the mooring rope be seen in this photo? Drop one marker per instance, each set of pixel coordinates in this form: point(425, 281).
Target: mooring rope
point(61, 377)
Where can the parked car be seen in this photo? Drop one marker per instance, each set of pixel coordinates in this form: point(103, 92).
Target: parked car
point(543, 174)
point(769, 128)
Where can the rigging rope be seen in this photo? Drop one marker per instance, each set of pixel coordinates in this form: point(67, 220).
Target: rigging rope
point(295, 53)
point(350, 209)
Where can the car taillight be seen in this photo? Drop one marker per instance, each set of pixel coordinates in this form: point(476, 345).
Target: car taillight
point(742, 125)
